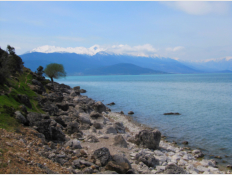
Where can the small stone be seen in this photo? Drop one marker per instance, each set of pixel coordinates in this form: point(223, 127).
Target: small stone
point(218, 157)
point(229, 166)
point(130, 112)
point(185, 142)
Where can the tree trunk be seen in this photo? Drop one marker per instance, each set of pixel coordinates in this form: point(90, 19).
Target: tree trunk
point(52, 81)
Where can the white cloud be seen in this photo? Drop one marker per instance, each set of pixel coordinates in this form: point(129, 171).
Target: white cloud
point(227, 58)
point(140, 50)
point(79, 50)
point(174, 49)
point(200, 7)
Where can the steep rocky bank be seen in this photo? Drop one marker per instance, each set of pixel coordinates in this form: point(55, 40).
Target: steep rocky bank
point(76, 134)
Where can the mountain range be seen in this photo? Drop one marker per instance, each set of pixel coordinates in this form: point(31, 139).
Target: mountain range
point(103, 63)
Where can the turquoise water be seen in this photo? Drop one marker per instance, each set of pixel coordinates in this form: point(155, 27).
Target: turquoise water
point(204, 101)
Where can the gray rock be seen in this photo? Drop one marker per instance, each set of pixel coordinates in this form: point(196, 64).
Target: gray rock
point(120, 141)
point(119, 163)
point(23, 108)
point(63, 106)
point(72, 127)
point(98, 125)
point(103, 155)
point(95, 115)
point(110, 130)
point(76, 88)
point(92, 138)
point(147, 159)
point(130, 112)
point(148, 139)
point(73, 143)
point(174, 169)
point(73, 93)
point(119, 127)
point(24, 100)
point(76, 164)
point(20, 118)
point(84, 118)
point(197, 153)
point(99, 107)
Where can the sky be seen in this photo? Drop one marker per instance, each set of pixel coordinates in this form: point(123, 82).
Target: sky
point(189, 31)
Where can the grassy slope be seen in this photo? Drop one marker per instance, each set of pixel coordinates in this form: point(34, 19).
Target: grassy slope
point(8, 102)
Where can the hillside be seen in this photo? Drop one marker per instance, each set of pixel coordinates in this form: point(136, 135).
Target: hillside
point(78, 63)
point(120, 69)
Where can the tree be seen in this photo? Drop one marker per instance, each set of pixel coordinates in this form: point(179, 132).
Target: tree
point(54, 70)
point(15, 63)
point(40, 71)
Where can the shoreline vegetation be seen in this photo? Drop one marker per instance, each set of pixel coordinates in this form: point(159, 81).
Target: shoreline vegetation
point(63, 131)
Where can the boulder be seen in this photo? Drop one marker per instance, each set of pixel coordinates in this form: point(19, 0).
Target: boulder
point(77, 164)
point(172, 113)
point(110, 104)
point(24, 100)
point(72, 127)
point(59, 120)
point(197, 153)
point(23, 108)
point(148, 139)
point(34, 117)
point(97, 125)
point(174, 169)
point(97, 117)
point(63, 106)
point(185, 142)
point(119, 127)
point(74, 144)
point(121, 112)
point(55, 97)
point(120, 141)
point(91, 138)
point(110, 130)
point(84, 126)
point(84, 118)
point(147, 159)
point(130, 112)
point(50, 108)
point(76, 88)
point(57, 133)
point(83, 91)
point(102, 155)
point(20, 118)
point(99, 107)
point(119, 163)
point(73, 93)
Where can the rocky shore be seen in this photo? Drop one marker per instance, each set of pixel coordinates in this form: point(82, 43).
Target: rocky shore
point(78, 135)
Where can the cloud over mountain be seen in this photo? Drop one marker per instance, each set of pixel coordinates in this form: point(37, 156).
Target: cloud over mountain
point(199, 7)
point(145, 50)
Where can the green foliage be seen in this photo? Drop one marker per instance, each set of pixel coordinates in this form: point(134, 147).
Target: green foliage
point(9, 103)
point(55, 70)
point(15, 63)
point(10, 63)
point(40, 71)
point(4, 68)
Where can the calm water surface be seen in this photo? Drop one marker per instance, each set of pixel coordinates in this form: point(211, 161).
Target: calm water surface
point(204, 101)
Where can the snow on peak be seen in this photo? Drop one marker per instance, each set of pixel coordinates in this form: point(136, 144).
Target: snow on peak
point(145, 50)
point(78, 50)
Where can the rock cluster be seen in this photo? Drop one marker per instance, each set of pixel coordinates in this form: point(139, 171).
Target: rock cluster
point(82, 136)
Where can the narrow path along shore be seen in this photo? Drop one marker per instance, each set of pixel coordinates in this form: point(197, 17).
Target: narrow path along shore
point(84, 136)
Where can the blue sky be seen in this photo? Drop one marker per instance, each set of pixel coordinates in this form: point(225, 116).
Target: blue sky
point(180, 30)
